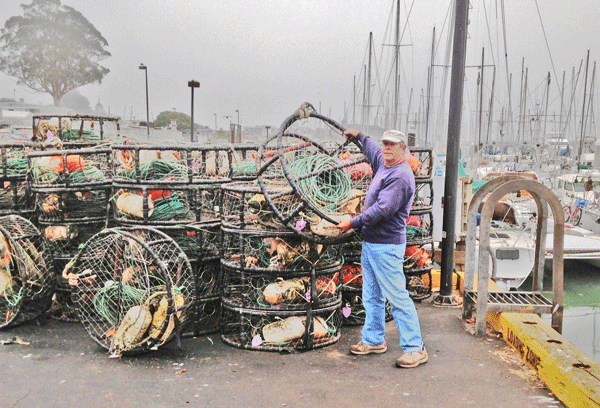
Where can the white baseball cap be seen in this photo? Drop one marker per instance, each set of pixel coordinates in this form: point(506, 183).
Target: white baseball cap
point(393, 136)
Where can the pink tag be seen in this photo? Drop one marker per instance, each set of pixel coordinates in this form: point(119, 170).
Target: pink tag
point(346, 311)
point(300, 224)
point(308, 296)
point(257, 341)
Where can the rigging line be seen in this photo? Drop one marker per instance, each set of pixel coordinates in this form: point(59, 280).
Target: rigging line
point(547, 45)
point(572, 99)
point(488, 32)
point(451, 3)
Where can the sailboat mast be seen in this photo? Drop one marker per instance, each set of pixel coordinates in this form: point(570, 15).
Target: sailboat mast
point(546, 112)
point(369, 84)
point(397, 67)
point(587, 63)
point(429, 84)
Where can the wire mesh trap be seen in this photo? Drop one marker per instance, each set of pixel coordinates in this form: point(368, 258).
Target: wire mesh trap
point(13, 158)
point(266, 331)
point(353, 308)
point(275, 251)
point(423, 200)
point(243, 206)
point(157, 205)
point(417, 268)
point(72, 204)
point(422, 164)
point(319, 188)
point(133, 289)
point(75, 128)
point(206, 318)
point(280, 291)
point(171, 164)
point(243, 165)
point(26, 273)
point(65, 238)
point(16, 198)
point(69, 168)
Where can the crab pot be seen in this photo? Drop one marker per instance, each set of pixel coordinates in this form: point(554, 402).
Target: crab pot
point(419, 228)
point(207, 277)
point(423, 166)
point(198, 240)
point(165, 206)
point(353, 308)
point(26, 272)
point(140, 164)
point(205, 318)
point(134, 289)
point(283, 290)
point(243, 206)
point(270, 251)
point(310, 188)
point(13, 158)
point(423, 201)
point(243, 165)
point(352, 248)
point(280, 331)
point(417, 268)
point(69, 168)
point(72, 204)
point(64, 238)
point(16, 198)
point(82, 129)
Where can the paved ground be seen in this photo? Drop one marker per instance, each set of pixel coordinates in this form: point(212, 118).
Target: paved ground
point(63, 367)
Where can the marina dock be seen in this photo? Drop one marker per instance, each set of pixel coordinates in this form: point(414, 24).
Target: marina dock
point(61, 367)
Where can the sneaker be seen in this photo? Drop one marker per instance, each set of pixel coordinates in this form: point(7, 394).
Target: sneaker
point(362, 348)
point(413, 359)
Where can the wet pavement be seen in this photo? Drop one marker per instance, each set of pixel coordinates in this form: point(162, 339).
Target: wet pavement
point(63, 367)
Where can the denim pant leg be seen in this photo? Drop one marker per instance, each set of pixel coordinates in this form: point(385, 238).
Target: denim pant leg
point(386, 263)
point(373, 331)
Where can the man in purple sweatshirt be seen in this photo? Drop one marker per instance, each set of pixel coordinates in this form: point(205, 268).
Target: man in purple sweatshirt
point(383, 226)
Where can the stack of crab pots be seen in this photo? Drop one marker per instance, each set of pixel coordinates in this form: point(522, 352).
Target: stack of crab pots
point(26, 273)
point(74, 131)
point(72, 189)
point(176, 189)
point(15, 192)
point(419, 227)
point(281, 257)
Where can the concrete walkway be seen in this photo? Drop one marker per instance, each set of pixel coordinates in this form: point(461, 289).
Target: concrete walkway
point(63, 367)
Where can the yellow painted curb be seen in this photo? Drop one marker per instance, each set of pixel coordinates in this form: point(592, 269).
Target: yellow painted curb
point(572, 376)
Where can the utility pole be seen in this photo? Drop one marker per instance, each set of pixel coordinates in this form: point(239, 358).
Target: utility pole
point(459, 49)
point(193, 84)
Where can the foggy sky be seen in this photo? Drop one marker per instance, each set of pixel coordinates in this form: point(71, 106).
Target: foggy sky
point(264, 58)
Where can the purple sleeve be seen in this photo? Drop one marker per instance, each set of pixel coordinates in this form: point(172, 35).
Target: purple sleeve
point(371, 150)
point(389, 200)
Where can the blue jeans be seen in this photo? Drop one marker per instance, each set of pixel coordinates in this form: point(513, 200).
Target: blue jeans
point(383, 278)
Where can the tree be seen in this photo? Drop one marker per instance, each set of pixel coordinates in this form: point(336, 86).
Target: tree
point(75, 100)
point(184, 121)
point(52, 49)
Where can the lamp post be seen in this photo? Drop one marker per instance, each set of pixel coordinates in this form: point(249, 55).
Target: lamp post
point(145, 68)
point(268, 127)
point(193, 84)
point(238, 130)
point(215, 121)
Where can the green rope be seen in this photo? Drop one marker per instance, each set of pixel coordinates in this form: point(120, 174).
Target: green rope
point(86, 174)
point(329, 188)
point(413, 232)
point(73, 134)
point(170, 208)
point(156, 170)
point(108, 299)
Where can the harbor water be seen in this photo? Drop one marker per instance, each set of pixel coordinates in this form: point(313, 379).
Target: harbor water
point(581, 319)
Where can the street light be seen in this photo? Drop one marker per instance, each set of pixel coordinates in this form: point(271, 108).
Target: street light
point(238, 130)
point(268, 127)
point(145, 68)
point(193, 84)
point(215, 121)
